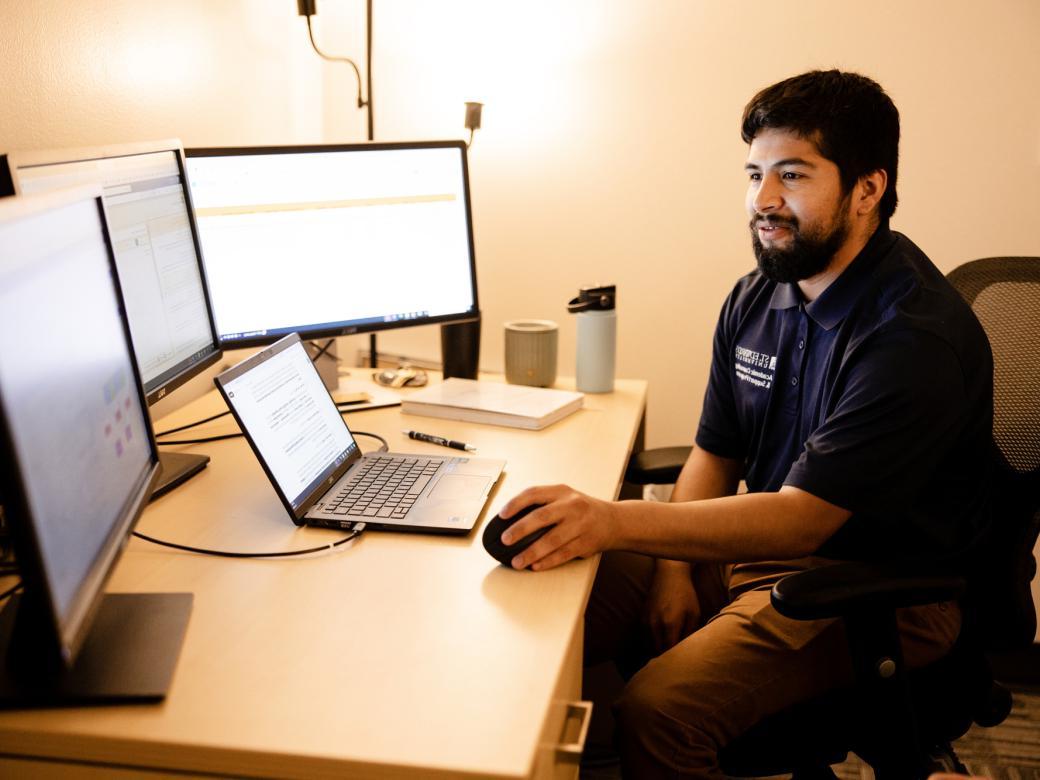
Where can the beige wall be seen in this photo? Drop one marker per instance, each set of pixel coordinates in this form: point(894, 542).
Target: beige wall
point(609, 151)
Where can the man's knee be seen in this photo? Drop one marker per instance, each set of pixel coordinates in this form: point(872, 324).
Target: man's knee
point(662, 721)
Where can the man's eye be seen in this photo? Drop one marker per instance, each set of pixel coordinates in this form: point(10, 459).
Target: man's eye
point(792, 176)
point(755, 176)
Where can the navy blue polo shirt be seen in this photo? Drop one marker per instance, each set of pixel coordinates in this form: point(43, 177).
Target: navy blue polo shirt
point(877, 397)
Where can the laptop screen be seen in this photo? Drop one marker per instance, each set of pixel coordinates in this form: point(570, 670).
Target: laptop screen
point(292, 422)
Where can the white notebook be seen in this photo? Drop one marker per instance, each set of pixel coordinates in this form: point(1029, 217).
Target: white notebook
point(495, 403)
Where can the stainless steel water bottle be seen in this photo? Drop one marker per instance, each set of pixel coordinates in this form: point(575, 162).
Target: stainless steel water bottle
point(597, 337)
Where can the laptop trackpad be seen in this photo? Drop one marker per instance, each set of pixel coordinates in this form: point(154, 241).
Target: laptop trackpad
point(459, 486)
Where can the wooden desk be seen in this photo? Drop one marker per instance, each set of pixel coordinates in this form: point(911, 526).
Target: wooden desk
point(397, 655)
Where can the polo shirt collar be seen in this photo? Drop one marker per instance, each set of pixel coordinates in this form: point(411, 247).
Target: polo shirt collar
point(837, 300)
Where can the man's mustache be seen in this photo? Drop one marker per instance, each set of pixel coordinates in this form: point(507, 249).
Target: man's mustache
point(773, 220)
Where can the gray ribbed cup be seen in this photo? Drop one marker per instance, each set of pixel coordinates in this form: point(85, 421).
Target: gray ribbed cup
point(531, 352)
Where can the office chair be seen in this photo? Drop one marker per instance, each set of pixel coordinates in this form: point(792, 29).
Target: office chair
point(902, 723)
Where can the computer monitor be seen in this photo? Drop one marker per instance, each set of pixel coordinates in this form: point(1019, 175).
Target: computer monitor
point(148, 206)
point(336, 239)
point(77, 464)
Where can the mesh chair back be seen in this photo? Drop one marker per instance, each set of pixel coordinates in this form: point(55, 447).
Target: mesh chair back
point(1004, 293)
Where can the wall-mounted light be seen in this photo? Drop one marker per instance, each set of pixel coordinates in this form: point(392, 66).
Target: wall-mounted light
point(472, 122)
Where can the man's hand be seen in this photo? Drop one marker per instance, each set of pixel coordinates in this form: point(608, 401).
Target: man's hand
point(673, 611)
point(584, 526)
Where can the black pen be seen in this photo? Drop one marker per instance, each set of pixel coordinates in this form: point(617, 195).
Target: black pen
point(455, 445)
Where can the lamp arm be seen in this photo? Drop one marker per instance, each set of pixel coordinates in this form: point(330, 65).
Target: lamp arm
point(361, 102)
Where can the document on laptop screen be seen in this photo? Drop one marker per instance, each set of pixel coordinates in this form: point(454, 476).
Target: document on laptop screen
point(292, 420)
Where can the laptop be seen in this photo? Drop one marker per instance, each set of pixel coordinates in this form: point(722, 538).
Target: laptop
point(322, 478)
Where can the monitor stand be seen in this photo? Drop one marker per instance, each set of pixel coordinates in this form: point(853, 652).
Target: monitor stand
point(175, 468)
point(460, 349)
point(326, 360)
point(128, 656)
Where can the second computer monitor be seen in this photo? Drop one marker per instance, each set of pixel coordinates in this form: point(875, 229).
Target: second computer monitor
point(148, 209)
point(150, 219)
point(334, 240)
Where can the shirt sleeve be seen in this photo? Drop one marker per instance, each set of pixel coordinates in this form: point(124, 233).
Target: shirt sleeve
point(904, 404)
point(719, 429)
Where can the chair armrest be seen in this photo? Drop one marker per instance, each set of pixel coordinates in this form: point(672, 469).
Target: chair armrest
point(657, 466)
point(842, 588)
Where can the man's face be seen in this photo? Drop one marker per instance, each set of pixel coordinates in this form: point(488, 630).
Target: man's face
point(799, 214)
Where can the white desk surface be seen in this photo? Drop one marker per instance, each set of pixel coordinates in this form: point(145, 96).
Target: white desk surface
point(396, 655)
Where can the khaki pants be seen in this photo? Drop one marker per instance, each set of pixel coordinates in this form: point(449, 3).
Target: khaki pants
point(745, 662)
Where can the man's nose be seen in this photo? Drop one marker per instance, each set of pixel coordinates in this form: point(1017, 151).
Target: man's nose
point(768, 197)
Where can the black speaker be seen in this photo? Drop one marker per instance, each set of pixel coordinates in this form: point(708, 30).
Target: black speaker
point(460, 349)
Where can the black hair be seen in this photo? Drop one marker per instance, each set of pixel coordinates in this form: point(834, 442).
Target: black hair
point(853, 123)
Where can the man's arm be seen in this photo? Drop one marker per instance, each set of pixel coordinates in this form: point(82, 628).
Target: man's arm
point(673, 608)
point(705, 475)
point(751, 527)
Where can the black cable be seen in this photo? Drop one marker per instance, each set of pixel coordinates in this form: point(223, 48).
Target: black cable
point(205, 440)
point(10, 591)
point(194, 424)
point(361, 103)
point(229, 554)
point(223, 436)
point(385, 447)
point(202, 551)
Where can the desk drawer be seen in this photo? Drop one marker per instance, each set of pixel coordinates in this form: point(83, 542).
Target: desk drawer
point(563, 737)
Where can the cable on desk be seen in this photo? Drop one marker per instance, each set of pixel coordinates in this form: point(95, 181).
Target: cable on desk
point(193, 424)
point(384, 447)
point(206, 440)
point(231, 554)
point(339, 405)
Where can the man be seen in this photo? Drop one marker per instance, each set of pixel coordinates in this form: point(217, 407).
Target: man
point(850, 388)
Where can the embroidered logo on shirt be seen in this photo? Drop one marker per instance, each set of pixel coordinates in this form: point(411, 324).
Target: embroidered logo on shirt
point(755, 368)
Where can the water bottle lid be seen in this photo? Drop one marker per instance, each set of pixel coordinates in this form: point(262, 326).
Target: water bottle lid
point(598, 298)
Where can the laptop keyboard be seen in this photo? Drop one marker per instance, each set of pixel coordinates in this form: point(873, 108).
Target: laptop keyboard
point(384, 487)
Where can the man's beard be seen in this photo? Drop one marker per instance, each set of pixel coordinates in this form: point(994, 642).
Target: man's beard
point(809, 253)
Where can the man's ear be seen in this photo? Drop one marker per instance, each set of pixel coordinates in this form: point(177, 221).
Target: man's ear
point(869, 189)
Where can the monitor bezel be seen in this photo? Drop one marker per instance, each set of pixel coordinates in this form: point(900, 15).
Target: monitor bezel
point(17, 160)
point(324, 330)
point(68, 632)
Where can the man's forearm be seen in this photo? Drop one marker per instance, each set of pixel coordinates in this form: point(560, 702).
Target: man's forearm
point(750, 527)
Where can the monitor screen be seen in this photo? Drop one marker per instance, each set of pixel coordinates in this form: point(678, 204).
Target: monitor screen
point(157, 253)
point(334, 240)
point(75, 440)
